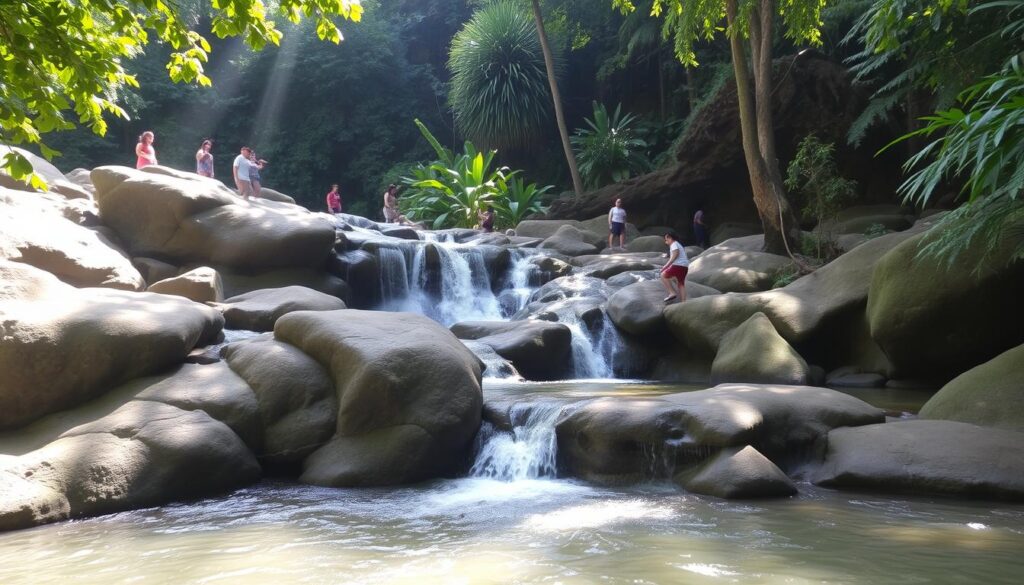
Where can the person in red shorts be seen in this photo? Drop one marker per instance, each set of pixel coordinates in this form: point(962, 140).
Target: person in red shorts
point(675, 269)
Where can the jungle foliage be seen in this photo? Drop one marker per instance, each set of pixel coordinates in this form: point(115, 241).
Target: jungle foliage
point(609, 149)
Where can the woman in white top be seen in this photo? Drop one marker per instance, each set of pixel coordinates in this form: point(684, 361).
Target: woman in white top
point(617, 224)
point(675, 269)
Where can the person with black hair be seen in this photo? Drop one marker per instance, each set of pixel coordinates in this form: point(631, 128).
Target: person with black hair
point(675, 269)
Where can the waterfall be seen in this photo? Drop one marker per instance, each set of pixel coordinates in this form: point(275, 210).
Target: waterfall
point(528, 452)
point(394, 274)
point(587, 360)
point(520, 275)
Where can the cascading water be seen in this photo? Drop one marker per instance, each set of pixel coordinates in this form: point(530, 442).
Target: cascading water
point(528, 452)
point(394, 274)
point(521, 271)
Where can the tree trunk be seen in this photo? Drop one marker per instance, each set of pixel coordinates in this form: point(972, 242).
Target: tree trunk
point(549, 64)
point(757, 128)
point(691, 90)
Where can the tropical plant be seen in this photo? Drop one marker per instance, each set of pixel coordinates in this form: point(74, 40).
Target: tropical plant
point(813, 174)
point(980, 143)
point(499, 87)
point(608, 149)
point(754, 20)
point(64, 56)
point(519, 201)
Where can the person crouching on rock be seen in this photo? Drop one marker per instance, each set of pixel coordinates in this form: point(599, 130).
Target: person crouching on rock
point(675, 269)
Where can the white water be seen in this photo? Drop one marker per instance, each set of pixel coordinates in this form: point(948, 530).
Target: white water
point(528, 452)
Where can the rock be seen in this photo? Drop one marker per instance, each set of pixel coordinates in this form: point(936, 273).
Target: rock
point(739, 473)
point(81, 342)
point(358, 221)
point(153, 270)
point(361, 271)
point(409, 397)
point(294, 395)
point(625, 439)
point(490, 239)
point(857, 219)
point(599, 226)
point(260, 309)
point(192, 221)
point(798, 310)
point(607, 266)
point(625, 279)
point(202, 285)
point(33, 230)
point(544, 228)
point(236, 284)
point(850, 379)
point(273, 195)
point(567, 287)
point(926, 457)
point(570, 241)
point(143, 454)
point(754, 352)
point(539, 350)
point(551, 267)
point(934, 321)
point(638, 308)
point(735, 271)
point(990, 395)
point(81, 178)
point(647, 244)
point(40, 166)
point(70, 190)
point(495, 366)
point(730, 230)
point(400, 232)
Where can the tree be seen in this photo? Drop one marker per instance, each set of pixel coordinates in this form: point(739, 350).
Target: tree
point(689, 21)
point(570, 158)
point(64, 56)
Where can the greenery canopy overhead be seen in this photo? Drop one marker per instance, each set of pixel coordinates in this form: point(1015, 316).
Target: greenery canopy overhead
point(61, 55)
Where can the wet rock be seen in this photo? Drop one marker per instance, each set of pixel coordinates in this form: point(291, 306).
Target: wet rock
point(260, 309)
point(409, 397)
point(606, 266)
point(628, 439)
point(400, 232)
point(625, 279)
point(738, 473)
point(538, 350)
point(990, 395)
point(295, 398)
point(754, 352)
point(361, 271)
point(201, 285)
point(80, 342)
point(926, 457)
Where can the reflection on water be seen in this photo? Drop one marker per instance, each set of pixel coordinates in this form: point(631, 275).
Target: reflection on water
point(483, 530)
point(529, 531)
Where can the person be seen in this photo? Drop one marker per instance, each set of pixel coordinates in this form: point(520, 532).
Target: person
point(675, 269)
point(334, 200)
point(700, 230)
point(487, 219)
point(617, 224)
point(204, 160)
point(240, 169)
point(144, 151)
point(391, 214)
point(254, 173)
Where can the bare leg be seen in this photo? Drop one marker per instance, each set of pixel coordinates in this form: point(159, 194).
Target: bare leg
point(667, 283)
point(682, 290)
point(611, 238)
point(622, 240)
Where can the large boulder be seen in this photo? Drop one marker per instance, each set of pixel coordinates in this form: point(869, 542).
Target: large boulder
point(738, 473)
point(294, 395)
point(857, 219)
point(798, 311)
point(755, 352)
point(639, 308)
point(648, 244)
point(274, 195)
point(260, 309)
point(409, 397)
point(926, 457)
point(40, 166)
point(599, 226)
point(236, 284)
point(539, 350)
point(62, 346)
point(609, 265)
point(202, 285)
point(625, 439)
point(570, 241)
point(936, 317)
point(737, 271)
point(34, 230)
point(990, 395)
point(192, 221)
point(543, 228)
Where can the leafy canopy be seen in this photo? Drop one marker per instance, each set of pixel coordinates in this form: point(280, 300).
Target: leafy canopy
point(64, 59)
point(691, 21)
point(608, 149)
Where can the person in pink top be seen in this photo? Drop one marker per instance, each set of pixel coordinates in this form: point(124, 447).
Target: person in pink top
point(334, 200)
point(144, 151)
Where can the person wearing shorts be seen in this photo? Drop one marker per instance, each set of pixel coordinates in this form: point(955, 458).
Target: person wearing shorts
point(675, 269)
point(617, 224)
point(240, 168)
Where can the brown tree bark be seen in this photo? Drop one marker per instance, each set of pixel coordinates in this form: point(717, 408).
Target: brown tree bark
point(549, 64)
point(758, 130)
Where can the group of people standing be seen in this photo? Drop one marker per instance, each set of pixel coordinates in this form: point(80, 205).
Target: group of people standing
point(673, 273)
point(245, 169)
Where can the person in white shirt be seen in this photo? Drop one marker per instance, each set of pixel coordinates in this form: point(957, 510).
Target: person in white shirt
point(675, 269)
point(240, 169)
point(617, 224)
